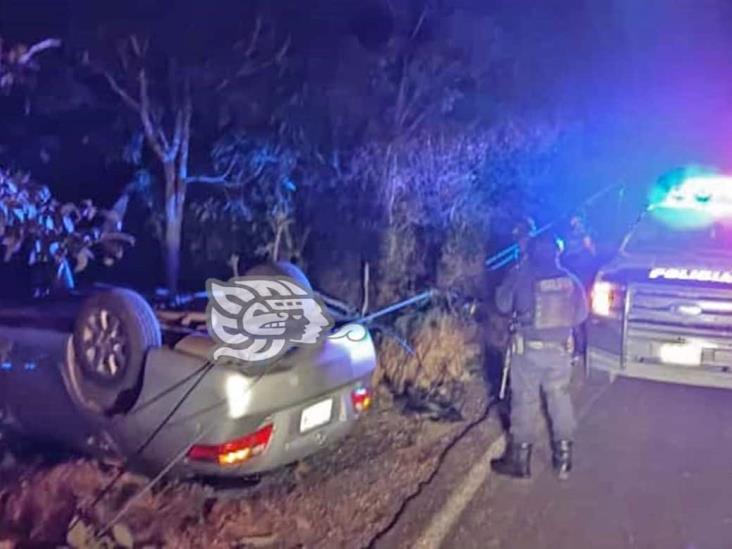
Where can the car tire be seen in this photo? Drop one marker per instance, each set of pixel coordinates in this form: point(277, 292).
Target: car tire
point(281, 268)
point(113, 333)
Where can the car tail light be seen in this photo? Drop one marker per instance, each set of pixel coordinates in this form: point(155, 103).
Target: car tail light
point(361, 399)
point(233, 452)
point(607, 298)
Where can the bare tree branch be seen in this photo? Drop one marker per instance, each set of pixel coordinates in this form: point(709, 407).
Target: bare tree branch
point(366, 287)
point(138, 49)
point(215, 180)
point(185, 145)
point(222, 179)
point(177, 134)
point(420, 21)
point(163, 139)
point(401, 98)
point(119, 90)
point(254, 39)
point(280, 55)
point(251, 66)
point(150, 131)
point(35, 49)
point(254, 68)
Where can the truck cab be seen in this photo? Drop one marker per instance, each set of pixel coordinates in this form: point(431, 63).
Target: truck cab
point(662, 307)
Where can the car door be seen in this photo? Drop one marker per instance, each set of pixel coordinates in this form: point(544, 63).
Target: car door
point(33, 335)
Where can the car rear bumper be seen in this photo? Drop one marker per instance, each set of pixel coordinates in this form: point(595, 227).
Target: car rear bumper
point(226, 405)
point(701, 376)
point(288, 444)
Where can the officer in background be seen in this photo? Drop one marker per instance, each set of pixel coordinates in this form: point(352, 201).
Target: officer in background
point(580, 252)
point(580, 257)
point(522, 233)
point(548, 302)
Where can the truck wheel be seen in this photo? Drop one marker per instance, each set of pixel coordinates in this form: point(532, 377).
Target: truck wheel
point(112, 335)
point(281, 268)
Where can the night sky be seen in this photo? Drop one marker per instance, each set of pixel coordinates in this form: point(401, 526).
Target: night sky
point(649, 81)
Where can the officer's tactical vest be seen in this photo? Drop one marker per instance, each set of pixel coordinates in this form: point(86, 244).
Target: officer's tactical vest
point(554, 303)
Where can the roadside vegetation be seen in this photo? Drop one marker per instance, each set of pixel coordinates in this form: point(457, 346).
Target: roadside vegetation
point(396, 167)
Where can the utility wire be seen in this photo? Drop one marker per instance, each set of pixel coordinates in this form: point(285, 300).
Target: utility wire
point(149, 485)
point(203, 371)
point(208, 366)
point(173, 462)
point(153, 399)
point(508, 255)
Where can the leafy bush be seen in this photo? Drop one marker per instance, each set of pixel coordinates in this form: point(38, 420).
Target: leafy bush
point(250, 213)
point(441, 194)
point(216, 229)
point(44, 230)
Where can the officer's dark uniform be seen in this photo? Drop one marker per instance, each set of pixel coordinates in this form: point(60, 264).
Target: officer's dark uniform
point(579, 256)
point(522, 233)
point(548, 302)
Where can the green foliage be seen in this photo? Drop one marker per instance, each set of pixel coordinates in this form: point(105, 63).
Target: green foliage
point(215, 229)
point(439, 197)
point(244, 213)
point(44, 230)
point(401, 148)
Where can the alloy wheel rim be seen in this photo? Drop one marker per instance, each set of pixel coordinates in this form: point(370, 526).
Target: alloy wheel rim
point(104, 345)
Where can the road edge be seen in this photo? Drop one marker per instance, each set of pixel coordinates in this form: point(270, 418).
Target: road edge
point(444, 520)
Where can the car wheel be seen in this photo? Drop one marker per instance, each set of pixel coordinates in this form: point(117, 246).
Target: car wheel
point(281, 268)
point(112, 335)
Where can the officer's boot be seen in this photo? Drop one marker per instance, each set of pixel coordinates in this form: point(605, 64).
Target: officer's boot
point(562, 458)
point(515, 461)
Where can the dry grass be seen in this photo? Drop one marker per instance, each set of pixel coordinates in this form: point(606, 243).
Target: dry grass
point(401, 263)
point(340, 498)
point(39, 507)
point(445, 352)
point(461, 270)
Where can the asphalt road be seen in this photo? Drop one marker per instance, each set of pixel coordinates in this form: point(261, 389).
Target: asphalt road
point(653, 469)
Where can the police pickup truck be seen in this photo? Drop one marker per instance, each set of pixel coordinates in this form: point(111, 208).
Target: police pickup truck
point(662, 307)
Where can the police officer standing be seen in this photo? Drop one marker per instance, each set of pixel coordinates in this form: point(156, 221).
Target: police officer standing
point(580, 257)
point(522, 233)
point(547, 302)
point(580, 252)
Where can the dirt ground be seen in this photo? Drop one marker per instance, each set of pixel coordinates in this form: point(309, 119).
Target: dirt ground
point(341, 497)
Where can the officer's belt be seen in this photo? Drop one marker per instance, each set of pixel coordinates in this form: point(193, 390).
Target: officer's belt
point(538, 345)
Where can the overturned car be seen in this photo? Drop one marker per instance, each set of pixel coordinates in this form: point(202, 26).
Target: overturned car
point(110, 372)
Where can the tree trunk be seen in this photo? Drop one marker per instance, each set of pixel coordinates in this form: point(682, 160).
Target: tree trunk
point(173, 230)
point(174, 200)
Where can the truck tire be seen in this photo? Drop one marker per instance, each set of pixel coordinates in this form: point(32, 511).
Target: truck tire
point(113, 332)
point(281, 268)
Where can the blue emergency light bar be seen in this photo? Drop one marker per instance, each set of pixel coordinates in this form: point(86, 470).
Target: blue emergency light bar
point(711, 194)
